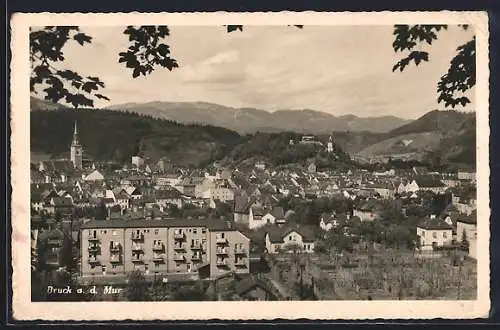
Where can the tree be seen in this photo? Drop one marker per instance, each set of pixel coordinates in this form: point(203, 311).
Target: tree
point(68, 254)
point(136, 287)
point(461, 75)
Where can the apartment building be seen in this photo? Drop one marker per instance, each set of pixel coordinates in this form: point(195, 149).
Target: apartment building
point(162, 247)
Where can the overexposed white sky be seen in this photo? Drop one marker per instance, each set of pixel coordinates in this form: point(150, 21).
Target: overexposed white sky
point(335, 69)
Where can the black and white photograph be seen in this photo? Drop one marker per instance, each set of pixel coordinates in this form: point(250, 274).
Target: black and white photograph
point(275, 161)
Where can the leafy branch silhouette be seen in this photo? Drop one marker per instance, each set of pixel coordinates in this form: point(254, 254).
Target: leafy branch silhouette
point(461, 75)
point(147, 51)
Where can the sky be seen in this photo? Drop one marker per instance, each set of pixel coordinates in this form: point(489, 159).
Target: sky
point(336, 69)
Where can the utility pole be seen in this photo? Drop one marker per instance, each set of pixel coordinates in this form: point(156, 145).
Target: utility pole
point(459, 279)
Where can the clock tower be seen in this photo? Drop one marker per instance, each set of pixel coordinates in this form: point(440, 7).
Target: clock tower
point(76, 150)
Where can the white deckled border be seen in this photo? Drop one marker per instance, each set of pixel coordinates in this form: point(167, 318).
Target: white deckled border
point(24, 309)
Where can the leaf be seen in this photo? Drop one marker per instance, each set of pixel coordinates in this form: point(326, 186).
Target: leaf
point(89, 86)
point(136, 73)
point(231, 28)
point(100, 96)
point(42, 71)
point(82, 38)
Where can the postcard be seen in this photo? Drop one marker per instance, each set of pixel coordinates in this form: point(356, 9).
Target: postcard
point(298, 165)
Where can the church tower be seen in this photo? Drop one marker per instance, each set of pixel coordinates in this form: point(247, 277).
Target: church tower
point(76, 150)
point(329, 146)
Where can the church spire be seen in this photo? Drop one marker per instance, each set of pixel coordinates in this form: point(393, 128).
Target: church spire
point(75, 135)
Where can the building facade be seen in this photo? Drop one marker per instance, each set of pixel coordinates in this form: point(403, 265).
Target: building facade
point(161, 247)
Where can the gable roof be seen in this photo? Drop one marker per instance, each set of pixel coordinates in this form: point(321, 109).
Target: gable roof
point(434, 224)
point(276, 234)
point(429, 182)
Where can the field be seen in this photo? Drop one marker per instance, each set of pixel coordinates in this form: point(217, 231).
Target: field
point(381, 275)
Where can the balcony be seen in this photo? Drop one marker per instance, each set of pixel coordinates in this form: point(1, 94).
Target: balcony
point(196, 258)
point(94, 261)
point(221, 240)
point(221, 262)
point(137, 259)
point(158, 258)
point(159, 247)
point(179, 236)
point(241, 263)
point(115, 259)
point(94, 248)
point(179, 247)
point(137, 236)
point(114, 249)
point(179, 258)
point(241, 250)
point(137, 248)
point(196, 247)
point(221, 251)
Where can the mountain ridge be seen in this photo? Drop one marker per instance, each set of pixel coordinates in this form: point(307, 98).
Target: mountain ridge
point(250, 120)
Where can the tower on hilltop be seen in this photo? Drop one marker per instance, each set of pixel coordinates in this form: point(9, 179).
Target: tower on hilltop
point(76, 150)
point(329, 146)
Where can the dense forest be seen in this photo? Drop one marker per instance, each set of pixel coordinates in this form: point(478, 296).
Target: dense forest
point(111, 135)
point(114, 135)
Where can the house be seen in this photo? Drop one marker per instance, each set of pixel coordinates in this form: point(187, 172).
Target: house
point(133, 192)
point(223, 194)
point(260, 165)
point(60, 205)
point(327, 221)
point(137, 161)
point(52, 242)
point(256, 217)
point(162, 248)
point(467, 228)
point(368, 211)
point(165, 197)
point(122, 198)
point(434, 233)
point(466, 175)
point(426, 184)
point(257, 289)
point(384, 190)
point(168, 179)
point(94, 176)
point(311, 168)
point(288, 238)
point(242, 205)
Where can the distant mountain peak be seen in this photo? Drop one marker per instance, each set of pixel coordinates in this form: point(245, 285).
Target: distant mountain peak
point(249, 120)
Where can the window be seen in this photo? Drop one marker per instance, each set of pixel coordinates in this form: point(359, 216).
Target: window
point(445, 235)
point(203, 230)
point(157, 231)
point(222, 235)
point(114, 233)
point(434, 234)
point(113, 266)
point(289, 238)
